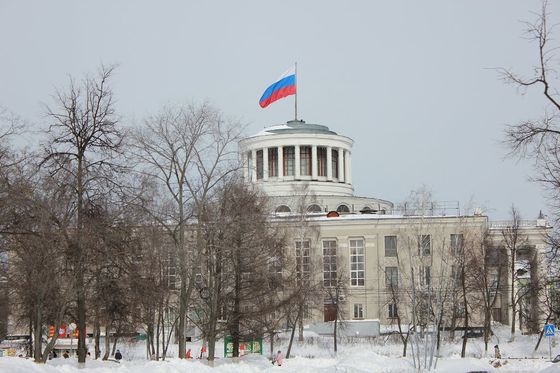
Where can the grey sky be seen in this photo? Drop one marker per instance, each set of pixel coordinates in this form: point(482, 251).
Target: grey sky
point(410, 81)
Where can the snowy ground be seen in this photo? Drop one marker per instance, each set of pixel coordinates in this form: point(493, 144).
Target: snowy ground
point(315, 355)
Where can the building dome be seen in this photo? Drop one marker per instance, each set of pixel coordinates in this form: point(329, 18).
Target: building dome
point(285, 159)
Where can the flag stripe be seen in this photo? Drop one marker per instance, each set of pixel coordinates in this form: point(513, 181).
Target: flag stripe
point(282, 88)
point(278, 94)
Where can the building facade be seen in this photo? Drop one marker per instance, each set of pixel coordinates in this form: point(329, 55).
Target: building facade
point(387, 256)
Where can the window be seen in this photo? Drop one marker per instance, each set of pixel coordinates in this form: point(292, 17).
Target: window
point(302, 260)
point(390, 245)
point(425, 277)
point(314, 208)
point(343, 209)
point(357, 262)
point(305, 160)
point(456, 241)
point(272, 162)
point(321, 161)
point(170, 271)
point(329, 263)
point(289, 160)
point(334, 163)
point(283, 209)
point(493, 281)
point(456, 275)
point(259, 164)
point(391, 276)
point(358, 311)
point(424, 244)
point(392, 310)
point(497, 314)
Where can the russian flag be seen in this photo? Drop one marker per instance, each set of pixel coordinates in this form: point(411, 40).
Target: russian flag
point(284, 86)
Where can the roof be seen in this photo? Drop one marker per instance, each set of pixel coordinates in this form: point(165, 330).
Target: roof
point(295, 126)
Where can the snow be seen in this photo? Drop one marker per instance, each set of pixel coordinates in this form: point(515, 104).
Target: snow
point(315, 355)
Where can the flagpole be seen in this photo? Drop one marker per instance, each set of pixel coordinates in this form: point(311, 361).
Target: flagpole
point(296, 90)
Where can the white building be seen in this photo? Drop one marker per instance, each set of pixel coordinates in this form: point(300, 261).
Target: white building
point(307, 168)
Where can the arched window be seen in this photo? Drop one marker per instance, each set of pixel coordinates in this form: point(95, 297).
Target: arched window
point(342, 209)
point(283, 209)
point(314, 208)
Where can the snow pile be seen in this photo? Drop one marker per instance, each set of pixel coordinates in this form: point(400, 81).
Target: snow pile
point(315, 355)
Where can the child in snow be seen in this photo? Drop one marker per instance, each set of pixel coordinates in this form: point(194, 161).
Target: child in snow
point(497, 353)
point(188, 354)
point(279, 358)
point(202, 352)
point(118, 355)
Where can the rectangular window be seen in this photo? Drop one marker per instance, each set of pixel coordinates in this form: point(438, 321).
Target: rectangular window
point(497, 314)
point(302, 260)
point(289, 160)
point(391, 276)
point(170, 271)
point(329, 263)
point(456, 243)
point(358, 311)
point(425, 276)
point(390, 245)
point(321, 161)
point(424, 245)
point(392, 310)
point(259, 164)
point(272, 162)
point(493, 281)
point(357, 262)
point(334, 163)
point(305, 160)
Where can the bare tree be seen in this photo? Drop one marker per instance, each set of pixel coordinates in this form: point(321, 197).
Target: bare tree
point(84, 139)
point(514, 240)
point(187, 151)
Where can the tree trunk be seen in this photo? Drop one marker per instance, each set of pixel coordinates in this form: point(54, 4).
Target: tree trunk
point(107, 342)
point(97, 339)
point(80, 288)
point(300, 328)
point(182, 315)
point(272, 344)
point(513, 305)
point(36, 332)
point(292, 337)
point(335, 327)
point(115, 341)
point(466, 311)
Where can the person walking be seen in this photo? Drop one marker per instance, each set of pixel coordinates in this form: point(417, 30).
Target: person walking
point(279, 358)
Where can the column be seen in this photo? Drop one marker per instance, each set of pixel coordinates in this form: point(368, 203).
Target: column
point(329, 163)
point(245, 160)
point(297, 169)
point(349, 168)
point(265, 164)
point(314, 162)
point(347, 177)
point(280, 163)
point(340, 165)
point(253, 165)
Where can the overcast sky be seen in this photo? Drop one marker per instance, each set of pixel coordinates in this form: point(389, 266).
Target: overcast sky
point(412, 82)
